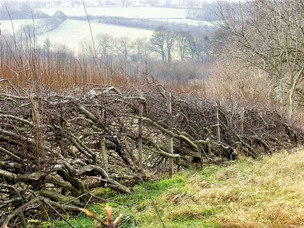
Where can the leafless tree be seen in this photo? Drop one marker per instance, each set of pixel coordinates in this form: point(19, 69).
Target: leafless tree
point(141, 48)
point(268, 35)
point(169, 41)
point(105, 45)
point(123, 46)
point(162, 42)
point(184, 41)
point(158, 42)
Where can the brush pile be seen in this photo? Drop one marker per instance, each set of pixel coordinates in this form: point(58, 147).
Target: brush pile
point(55, 148)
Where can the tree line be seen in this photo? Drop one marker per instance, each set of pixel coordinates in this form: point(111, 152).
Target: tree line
point(145, 23)
point(164, 44)
point(196, 46)
point(157, 56)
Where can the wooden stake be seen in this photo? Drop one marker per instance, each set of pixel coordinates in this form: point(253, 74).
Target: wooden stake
point(218, 103)
point(171, 149)
point(140, 132)
point(104, 156)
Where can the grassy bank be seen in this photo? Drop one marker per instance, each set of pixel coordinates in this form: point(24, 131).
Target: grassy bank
point(268, 192)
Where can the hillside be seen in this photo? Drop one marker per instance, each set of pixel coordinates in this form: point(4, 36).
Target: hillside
point(73, 33)
point(248, 193)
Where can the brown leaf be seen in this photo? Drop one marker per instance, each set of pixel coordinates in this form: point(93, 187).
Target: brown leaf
point(108, 210)
point(87, 212)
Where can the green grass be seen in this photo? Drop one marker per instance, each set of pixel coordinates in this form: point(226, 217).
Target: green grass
point(268, 192)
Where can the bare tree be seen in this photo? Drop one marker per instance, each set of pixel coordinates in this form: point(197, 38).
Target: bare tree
point(158, 42)
point(162, 42)
point(123, 47)
point(200, 46)
point(268, 35)
point(169, 44)
point(184, 41)
point(104, 44)
point(141, 49)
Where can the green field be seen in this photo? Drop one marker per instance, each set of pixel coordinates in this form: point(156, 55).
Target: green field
point(75, 34)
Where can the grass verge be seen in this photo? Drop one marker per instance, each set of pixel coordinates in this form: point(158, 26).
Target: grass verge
point(268, 192)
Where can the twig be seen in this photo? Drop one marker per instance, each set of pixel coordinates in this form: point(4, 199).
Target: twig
point(153, 203)
point(58, 214)
point(19, 210)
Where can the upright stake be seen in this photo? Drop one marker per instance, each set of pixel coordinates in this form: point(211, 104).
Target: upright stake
point(169, 106)
point(218, 103)
point(38, 132)
point(242, 117)
point(103, 150)
point(104, 155)
point(140, 131)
